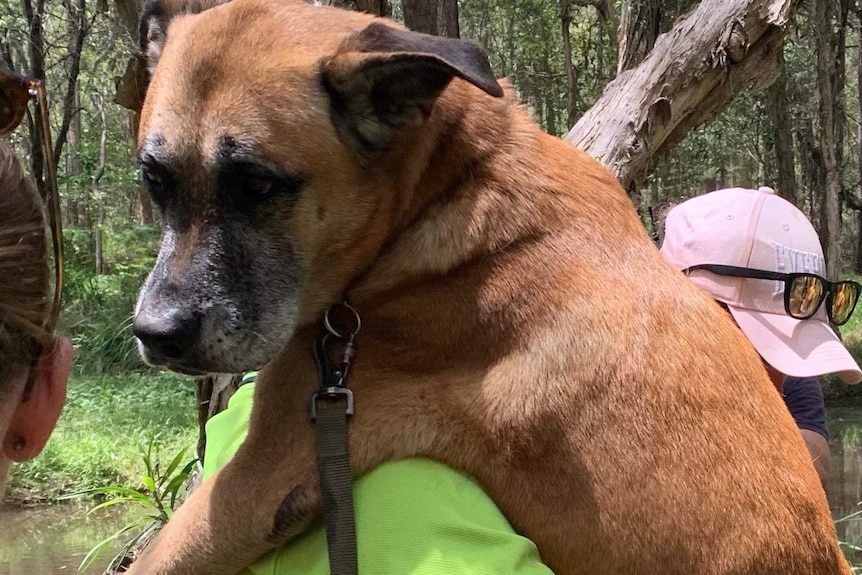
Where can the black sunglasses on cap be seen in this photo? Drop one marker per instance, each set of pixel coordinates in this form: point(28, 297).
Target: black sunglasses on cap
point(804, 293)
point(15, 93)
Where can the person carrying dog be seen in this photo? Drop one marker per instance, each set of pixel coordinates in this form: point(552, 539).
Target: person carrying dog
point(760, 257)
point(413, 517)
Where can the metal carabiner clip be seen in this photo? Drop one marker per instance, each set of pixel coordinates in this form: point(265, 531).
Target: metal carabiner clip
point(333, 381)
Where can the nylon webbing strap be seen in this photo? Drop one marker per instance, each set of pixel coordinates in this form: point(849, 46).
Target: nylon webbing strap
point(333, 467)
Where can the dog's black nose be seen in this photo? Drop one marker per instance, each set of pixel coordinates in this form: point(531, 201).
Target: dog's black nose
point(168, 334)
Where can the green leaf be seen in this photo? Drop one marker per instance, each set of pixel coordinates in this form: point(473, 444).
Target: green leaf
point(112, 490)
point(178, 481)
point(97, 549)
point(174, 464)
point(150, 484)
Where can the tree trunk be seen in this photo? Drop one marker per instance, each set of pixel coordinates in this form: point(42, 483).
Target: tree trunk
point(829, 97)
point(782, 137)
point(76, 11)
point(128, 14)
point(640, 25)
point(717, 50)
point(437, 17)
point(813, 172)
point(857, 205)
point(130, 91)
point(571, 75)
point(376, 7)
point(79, 198)
point(98, 252)
point(213, 394)
point(36, 53)
point(73, 152)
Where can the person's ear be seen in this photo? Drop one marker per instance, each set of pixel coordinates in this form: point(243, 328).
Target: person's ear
point(37, 414)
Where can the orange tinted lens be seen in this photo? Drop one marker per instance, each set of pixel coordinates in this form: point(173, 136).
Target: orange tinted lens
point(844, 298)
point(13, 102)
point(806, 295)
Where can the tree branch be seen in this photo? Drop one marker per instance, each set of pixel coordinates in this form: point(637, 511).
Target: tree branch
point(78, 21)
point(719, 49)
point(603, 6)
point(853, 201)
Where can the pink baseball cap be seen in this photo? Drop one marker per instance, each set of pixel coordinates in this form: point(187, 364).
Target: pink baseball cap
point(760, 230)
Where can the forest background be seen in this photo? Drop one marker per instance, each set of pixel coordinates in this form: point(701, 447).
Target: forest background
point(801, 135)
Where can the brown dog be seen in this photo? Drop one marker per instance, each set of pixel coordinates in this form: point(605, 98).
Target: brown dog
point(518, 324)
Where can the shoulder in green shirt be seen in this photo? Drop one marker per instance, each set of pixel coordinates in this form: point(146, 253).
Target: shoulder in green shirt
point(413, 517)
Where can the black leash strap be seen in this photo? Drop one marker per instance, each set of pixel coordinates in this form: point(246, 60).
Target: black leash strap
point(331, 406)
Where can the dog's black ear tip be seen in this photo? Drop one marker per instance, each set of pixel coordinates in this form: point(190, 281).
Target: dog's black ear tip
point(491, 86)
point(493, 89)
point(471, 60)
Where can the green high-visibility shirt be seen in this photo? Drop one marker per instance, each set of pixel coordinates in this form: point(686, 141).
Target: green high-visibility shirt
point(413, 517)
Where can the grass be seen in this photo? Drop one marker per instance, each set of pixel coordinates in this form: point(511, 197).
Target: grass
point(98, 438)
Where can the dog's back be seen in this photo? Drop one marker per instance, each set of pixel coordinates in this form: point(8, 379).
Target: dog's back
point(613, 410)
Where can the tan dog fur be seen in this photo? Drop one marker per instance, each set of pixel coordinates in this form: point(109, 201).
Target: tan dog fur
point(518, 325)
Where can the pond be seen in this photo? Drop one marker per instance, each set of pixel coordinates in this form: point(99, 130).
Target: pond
point(53, 540)
point(845, 473)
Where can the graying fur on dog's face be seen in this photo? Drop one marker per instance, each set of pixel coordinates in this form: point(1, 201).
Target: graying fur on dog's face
point(225, 286)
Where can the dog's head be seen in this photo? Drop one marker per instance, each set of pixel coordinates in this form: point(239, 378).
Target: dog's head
point(267, 135)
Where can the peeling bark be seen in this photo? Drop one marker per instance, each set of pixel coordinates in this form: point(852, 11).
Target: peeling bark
point(717, 50)
point(640, 25)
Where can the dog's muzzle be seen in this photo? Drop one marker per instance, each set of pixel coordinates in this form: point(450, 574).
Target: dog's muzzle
point(167, 335)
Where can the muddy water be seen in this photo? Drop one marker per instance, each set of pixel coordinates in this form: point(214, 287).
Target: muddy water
point(845, 475)
point(52, 541)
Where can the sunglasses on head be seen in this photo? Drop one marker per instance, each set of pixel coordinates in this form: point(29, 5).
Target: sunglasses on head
point(15, 93)
point(803, 293)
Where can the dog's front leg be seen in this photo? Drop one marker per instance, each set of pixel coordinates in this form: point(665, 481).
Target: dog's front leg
point(260, 500)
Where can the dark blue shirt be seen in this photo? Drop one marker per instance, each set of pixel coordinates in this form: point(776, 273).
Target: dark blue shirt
point(804, 399)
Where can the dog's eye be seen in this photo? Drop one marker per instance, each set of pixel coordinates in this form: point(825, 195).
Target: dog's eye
point(257, 186)
point(157, 181)
point(260, 186)
point(252, 184)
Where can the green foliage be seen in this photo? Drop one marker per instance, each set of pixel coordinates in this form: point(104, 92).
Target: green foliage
point(98, 308)
point(105, 418)
point(163, 491)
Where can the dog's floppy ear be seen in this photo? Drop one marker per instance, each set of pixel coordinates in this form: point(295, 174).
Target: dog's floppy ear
point(155, 18)
point(386, 79)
